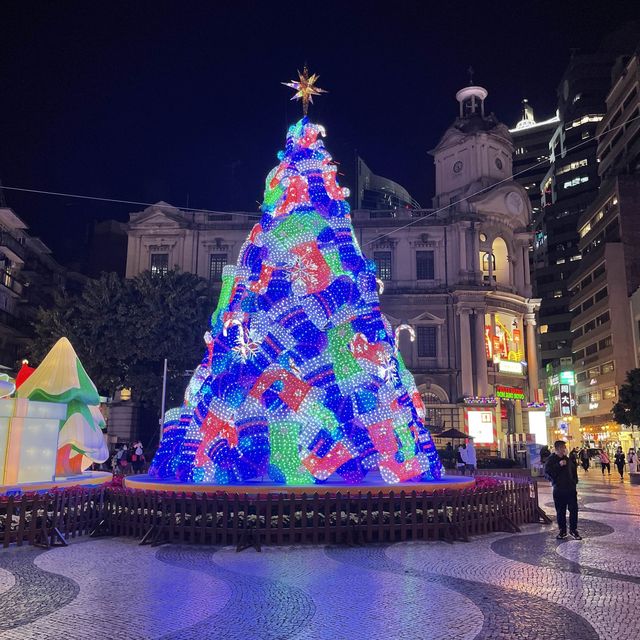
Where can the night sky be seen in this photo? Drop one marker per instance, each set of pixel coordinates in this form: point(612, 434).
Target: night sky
point(182, 102)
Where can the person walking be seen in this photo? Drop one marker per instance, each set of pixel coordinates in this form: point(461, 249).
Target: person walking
point(619, 461)
point(605, 461)
point(562, 471)
point(584, 459)
point(632, 459)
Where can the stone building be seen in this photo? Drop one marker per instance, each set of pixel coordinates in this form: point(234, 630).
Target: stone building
point(455, 278)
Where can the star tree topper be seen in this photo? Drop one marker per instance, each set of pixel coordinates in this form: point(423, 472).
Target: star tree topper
point(305, 88)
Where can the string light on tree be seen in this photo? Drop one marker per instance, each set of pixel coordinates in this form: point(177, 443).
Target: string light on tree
point(301, 380)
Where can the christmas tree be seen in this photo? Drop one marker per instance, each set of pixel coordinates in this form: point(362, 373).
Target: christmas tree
point(62, 378)
point(302, 378)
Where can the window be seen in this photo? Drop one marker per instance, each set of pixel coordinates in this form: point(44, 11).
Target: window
point(609, 393)
point(575, 181)
point(383, 264)
point(585, 282)
point(578, 354)
point(424, 265)
point(608, 367)
point(557, 294)
point(217, 262)
point(159, 264)
point(601, 319)
point(571, 166)
point(590, 326)
point(427, 342)
point(598, 272)
point(604, 343)
point(584, 119)
point(581, 377)
point(583, 399)
point(594, 372)
point(595, 396)
point(601, 295)
point(485, 262)
point(591, 349)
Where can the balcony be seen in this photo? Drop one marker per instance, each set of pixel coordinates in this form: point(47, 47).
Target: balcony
point(8, 281)
point(12, 248)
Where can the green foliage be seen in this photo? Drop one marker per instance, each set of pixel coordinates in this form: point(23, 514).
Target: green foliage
point(627, 409)
point(123, 329)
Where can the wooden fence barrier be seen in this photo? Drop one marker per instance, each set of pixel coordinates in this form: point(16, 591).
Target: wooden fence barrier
point(253, 520)
point(50, 518)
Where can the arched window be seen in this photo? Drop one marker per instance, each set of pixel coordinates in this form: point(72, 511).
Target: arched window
point(431, 398)
point(501, 274)
point(488, 258)
point(437, 417)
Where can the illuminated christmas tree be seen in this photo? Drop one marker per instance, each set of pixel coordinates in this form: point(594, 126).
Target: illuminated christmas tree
point(302, 380)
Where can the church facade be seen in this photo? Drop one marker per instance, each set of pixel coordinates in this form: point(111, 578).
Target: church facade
point(454, 279)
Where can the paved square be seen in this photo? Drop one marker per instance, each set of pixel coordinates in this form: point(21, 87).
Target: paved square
point(522, 586)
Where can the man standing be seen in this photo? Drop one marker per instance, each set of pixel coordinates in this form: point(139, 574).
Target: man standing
point(562, 470)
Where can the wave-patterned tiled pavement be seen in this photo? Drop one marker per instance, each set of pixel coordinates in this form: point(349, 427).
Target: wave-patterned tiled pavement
point(524, 586)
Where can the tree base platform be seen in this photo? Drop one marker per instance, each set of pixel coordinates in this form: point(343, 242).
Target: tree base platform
point(86, 479)
point(372, 483)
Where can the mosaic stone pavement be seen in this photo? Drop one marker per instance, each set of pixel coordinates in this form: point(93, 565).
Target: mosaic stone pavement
point(525, 586)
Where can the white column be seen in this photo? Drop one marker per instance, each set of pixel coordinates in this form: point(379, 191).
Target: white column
point(477, 267)
point(481, 354)
point(525, 266)
point(466, 367)
point(462, 233)
point(532, 353)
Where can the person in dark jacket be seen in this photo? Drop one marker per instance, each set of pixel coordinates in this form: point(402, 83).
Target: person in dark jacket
point(544, 455)
point(619, 462)
point(584, 459)
point(562, 470)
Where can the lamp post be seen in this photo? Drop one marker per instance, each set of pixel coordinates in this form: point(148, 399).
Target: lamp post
point(164, 393)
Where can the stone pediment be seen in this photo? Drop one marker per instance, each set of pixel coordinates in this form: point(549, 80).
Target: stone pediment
point(509, 200)
point(452, 137)
point(160, 215)
point(426, 316)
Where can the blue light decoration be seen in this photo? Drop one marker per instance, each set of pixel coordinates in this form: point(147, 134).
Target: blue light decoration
point(302, 380)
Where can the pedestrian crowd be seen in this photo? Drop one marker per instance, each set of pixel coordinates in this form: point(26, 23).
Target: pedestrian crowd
point(621, 461)
point(128, 458)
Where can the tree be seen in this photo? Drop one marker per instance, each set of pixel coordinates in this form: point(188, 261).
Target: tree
point(123, 329)
point(627, 409)
point(303, 378)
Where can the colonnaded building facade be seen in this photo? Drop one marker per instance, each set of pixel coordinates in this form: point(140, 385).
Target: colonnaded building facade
point(455, 278)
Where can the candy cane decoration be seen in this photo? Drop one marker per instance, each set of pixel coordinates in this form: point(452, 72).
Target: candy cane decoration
point(404, 327)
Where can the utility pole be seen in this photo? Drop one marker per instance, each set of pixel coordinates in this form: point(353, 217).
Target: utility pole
point(164, 392)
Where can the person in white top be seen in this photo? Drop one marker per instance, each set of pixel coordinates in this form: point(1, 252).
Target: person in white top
point(632, 460)
point(461, 462)
point(470, 459)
